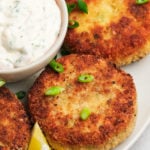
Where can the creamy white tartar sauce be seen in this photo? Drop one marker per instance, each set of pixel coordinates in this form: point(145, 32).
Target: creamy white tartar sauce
point(27, 30)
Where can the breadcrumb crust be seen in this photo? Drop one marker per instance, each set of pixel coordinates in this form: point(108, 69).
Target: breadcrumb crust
point(111, 98)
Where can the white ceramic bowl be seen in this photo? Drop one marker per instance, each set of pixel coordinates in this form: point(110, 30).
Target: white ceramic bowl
point(20, 73)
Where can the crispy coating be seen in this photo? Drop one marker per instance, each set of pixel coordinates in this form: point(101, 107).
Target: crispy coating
point(114, 29)
point(14, 123)
point(111, 98)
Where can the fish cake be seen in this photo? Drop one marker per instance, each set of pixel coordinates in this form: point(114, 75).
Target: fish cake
point(14, 123)
point(110, 97)
point(118, 30)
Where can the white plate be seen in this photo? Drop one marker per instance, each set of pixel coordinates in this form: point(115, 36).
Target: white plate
point(141, 74)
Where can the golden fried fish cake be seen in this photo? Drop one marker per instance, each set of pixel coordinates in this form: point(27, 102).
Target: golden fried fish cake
point(110, 97)
point(118, 30)
point(14, 123)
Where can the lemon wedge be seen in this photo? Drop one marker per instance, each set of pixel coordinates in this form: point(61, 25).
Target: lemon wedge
point(38, 140)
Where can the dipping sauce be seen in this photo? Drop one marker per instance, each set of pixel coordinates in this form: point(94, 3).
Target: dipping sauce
point(28, 28)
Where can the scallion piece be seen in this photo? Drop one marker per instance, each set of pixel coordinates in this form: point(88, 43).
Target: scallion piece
point(141, 1)
point(71, 7)
point(64, 52)
point(83, 6)
point(21, 94)
point(54, 90)
point(85, 78)
point(56, 66)
point(2, 82)
point(55, 57)
point(73, 24)
point(85, 113)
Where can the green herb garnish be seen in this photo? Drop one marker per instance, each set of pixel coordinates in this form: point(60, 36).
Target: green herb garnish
point(21, 94)
point(85, 113)
point(71, 7)
point(85, 78)
point(141, 1)
point(2, 82)
point(54, 90)
point(56, 66)
point(64, 52)
point(83, 6)
point(73, 24)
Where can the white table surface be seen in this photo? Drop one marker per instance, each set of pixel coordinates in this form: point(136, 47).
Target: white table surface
point(143, 143)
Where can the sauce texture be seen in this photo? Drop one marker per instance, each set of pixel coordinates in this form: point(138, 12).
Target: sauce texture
point(28, 28)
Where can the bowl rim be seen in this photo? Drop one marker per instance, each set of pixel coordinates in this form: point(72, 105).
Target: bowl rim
point(52, 49)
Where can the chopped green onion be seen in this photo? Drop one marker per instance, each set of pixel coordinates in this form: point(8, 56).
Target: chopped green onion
point(21, 94)
point(73, 24)
point(85, 78)
point(64, 52)
point(54, 90)
point(141, 1)
point(56, 66)
point(83, 6)
point(2, 82)
point(85, 113)
point(55, 57)
point(71, 7)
